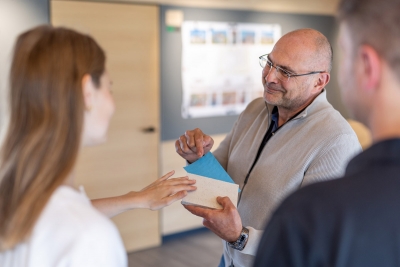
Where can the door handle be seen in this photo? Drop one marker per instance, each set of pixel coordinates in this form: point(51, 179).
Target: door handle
point(149, 129)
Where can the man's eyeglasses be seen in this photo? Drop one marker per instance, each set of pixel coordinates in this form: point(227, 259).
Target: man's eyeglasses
point(282, 74)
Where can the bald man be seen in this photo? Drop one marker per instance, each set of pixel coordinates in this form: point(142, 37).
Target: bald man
point(289, 138)
point(353, 221)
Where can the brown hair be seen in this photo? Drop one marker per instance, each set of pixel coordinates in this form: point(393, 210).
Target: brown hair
point(375, 24)
point(44, 134)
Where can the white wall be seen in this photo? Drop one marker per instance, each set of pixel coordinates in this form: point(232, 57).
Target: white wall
point(16, 16)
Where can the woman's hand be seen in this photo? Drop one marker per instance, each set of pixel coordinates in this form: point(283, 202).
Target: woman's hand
point(157, 195)
point(164, 191)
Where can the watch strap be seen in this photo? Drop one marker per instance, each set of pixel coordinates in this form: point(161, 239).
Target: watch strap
point(241, 242)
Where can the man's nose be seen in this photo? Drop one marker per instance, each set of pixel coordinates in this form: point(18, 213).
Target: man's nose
point(270, 76)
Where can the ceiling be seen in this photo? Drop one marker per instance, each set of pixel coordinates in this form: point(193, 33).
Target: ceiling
point(322, 7)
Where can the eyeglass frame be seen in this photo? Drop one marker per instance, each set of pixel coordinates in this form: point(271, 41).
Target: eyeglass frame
point(289, 73)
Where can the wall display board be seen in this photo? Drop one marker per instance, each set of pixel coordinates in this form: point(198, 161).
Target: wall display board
point(171, 50)
point(220, 70)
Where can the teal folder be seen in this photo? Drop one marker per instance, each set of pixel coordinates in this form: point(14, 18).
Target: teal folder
point(209, 166)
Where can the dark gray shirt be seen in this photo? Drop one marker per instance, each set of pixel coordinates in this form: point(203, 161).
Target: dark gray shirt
point(353, 221)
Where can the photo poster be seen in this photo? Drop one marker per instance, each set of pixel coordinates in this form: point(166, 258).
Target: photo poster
point(221, 73)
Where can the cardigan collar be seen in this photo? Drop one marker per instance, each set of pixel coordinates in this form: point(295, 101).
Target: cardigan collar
point(309, 109)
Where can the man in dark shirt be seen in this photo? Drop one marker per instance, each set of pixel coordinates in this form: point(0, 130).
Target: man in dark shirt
point(353, 221)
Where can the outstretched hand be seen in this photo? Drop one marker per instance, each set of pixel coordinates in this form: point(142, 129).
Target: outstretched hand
point(164, 191)
point(193, 145)
point(225, 223)
point(161, 193)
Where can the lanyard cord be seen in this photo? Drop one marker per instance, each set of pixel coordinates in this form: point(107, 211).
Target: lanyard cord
point(265, 140)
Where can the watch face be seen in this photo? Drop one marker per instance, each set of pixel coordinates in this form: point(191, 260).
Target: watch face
point(241, 242)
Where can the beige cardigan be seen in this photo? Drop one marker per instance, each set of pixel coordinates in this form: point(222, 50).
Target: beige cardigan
point(314, 146)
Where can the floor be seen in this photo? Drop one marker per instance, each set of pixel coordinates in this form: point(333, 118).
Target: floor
point(200, 248)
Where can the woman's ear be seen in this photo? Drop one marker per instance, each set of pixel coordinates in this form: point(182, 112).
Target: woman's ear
point(87, 90)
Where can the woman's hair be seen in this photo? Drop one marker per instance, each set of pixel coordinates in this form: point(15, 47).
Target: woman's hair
point(44, 133)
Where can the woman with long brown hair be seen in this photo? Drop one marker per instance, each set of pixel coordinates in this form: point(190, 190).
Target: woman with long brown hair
point(60, 100)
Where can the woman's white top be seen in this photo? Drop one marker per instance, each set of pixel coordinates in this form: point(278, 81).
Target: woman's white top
point(69, 232)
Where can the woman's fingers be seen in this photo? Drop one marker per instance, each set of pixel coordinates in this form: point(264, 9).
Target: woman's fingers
point(169, 200)
point(179, 180)
point(172, 190)
point(166, 176)
point(166, 195)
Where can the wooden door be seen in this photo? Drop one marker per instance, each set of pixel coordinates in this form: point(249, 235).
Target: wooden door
point(129, 159)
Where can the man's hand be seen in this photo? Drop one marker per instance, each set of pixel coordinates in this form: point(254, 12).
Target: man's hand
point(225, 223)
point(193, 145)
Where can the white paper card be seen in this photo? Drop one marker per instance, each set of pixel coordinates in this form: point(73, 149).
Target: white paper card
point(208, 190)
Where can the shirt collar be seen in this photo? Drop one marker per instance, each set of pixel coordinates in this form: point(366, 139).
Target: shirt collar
point(378, 154)
point(275, 117)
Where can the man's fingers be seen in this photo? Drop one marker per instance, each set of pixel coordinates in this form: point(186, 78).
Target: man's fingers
point(198, 211)
point(199, 146)
point(208, 141)
point(184, 145)
point(207, 224)
point(178, 147)
point(195, 141)
point(225, 202)
point(190, 138)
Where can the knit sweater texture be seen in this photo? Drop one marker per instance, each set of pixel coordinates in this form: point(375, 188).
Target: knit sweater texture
point(314, 146)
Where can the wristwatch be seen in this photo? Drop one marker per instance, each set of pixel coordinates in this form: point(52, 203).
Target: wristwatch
point(241, 242)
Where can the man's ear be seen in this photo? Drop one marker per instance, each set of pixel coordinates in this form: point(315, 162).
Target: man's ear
point(322, 81)
point(87, 90)
point(369, 66)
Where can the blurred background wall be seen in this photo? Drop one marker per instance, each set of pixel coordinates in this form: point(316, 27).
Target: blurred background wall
point(16, 17)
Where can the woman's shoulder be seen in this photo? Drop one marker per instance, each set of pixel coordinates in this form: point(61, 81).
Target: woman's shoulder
point(70, 211)
point(69, 232)
point(70, 226)
point(70, 207)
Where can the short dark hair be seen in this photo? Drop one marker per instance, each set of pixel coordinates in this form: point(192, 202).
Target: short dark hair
point(376, 24)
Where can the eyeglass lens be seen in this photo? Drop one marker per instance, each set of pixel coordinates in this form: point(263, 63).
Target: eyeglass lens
point(279, 73)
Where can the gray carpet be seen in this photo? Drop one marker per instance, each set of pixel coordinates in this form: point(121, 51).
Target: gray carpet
point(193, 249)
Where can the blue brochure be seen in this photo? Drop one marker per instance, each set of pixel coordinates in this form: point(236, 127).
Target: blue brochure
point(209, 166)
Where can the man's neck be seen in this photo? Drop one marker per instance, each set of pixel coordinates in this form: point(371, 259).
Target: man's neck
point(384, 121)
point(286, 114)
